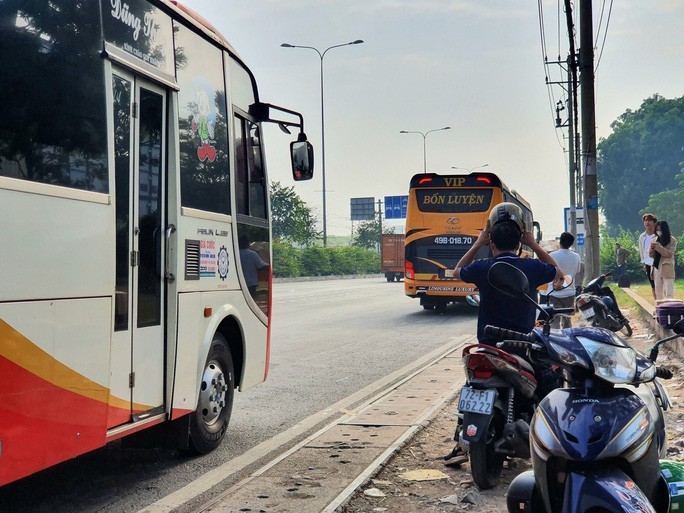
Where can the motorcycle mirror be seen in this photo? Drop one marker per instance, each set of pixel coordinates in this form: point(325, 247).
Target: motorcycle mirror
point(508, 279)
point(567, 281)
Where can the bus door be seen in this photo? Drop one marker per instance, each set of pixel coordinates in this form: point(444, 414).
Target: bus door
point(137, 356)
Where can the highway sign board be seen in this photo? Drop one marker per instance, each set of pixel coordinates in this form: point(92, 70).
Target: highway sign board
point(395, 207)
point(362, 209)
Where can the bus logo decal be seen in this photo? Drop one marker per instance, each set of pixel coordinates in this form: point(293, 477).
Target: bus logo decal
point(454, 182)
point(204, 120)
point(222, 263)
point(122, 13)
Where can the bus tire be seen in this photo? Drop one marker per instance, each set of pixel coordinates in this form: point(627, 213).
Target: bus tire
point(209, 422)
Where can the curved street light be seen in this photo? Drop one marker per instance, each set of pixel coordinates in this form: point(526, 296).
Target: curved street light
point(471, 169)
point(321, 55)
point(424, 134)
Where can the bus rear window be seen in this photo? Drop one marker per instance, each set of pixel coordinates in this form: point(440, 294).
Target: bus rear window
point(453, 200)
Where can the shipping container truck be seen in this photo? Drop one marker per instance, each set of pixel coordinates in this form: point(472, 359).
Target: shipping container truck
point(392, 256)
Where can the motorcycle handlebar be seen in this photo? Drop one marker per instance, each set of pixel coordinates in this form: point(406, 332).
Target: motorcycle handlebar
point(662, 372)
point(509, 335)
point(513, 344)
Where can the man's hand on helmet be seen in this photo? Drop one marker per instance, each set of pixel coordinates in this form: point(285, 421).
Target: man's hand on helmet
point(483, 238)
point(527, 239)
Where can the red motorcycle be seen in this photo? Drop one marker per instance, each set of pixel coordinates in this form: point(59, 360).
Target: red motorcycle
point(497, 403)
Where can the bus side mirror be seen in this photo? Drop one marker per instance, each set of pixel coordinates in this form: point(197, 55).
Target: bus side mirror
point(302, 155)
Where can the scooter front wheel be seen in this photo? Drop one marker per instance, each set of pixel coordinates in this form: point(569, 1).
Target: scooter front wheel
point(626, 329)
point(485, 463)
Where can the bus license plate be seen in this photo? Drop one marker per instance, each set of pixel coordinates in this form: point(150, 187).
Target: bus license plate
point(448, 273)
point(476, 401)
point(588, 313)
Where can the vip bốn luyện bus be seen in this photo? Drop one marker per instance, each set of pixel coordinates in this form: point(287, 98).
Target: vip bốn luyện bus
point(444, 217)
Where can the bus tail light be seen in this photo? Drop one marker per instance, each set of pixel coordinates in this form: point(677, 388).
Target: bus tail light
point(408, 270)
point(484, 179)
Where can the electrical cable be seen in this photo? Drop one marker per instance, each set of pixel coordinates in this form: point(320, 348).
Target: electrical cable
point(605, 33)
point(549, 90)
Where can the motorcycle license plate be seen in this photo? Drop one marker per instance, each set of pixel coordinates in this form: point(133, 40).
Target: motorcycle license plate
point(588, 313)
point(476, 401)
point(448, 273)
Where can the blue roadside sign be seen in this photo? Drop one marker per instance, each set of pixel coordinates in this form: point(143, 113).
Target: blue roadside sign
point(395, 207)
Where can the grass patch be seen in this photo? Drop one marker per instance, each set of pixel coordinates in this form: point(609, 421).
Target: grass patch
point(624, 301)
point(644, 290)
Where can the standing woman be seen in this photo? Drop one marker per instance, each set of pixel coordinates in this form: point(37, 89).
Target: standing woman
point(662, 251)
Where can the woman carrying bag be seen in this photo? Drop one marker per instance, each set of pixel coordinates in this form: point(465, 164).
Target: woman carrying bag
point(662, 251)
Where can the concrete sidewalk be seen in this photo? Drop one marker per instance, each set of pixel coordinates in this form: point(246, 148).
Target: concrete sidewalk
point(323, 471)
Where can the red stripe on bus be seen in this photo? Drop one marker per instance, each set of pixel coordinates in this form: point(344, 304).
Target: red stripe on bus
point(42, 424)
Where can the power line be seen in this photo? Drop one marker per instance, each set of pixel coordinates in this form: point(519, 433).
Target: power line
point(605, 33)
point(549, 89)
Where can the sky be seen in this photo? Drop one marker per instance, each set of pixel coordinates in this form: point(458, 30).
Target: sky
point(474, 65)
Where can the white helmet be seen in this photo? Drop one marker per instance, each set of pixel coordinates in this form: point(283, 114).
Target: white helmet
point(507, 212)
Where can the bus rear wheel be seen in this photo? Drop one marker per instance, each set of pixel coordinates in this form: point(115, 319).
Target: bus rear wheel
point(209, 422)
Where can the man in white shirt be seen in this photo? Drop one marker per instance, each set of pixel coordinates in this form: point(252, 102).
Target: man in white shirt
point(645, 240)
point(571, 265)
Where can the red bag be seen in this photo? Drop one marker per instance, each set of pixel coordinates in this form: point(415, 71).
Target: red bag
point(669, 312)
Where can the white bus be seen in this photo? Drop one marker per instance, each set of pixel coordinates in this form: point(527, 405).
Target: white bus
point(131, 163)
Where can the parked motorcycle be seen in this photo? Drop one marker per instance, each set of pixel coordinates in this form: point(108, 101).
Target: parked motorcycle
point(595, 444)
point(496, 406)
point(598, 304)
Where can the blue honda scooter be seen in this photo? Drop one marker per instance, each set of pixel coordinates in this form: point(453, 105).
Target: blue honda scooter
point(595, 444)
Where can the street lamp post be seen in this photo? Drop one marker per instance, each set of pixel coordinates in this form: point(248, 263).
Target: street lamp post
point(424, 137)
point(321, 55)
point(471, 169)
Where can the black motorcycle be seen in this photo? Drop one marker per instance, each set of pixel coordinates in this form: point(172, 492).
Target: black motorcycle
point(598, 304)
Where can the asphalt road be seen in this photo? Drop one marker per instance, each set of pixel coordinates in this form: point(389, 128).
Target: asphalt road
point(329, 340)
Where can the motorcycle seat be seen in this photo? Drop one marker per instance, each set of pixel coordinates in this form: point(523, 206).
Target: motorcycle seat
point(524, 364)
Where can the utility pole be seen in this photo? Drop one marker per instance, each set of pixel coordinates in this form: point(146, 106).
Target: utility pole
point(586, 67)
point(380, 216)
point(573, 125)
point(571, 154)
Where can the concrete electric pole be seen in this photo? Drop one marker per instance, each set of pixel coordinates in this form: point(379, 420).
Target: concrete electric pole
point(586, 67)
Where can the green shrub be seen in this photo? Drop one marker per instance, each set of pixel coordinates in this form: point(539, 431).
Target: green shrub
point(290, 261)
point(286, 262)
point(629, 241)
point(316, 261)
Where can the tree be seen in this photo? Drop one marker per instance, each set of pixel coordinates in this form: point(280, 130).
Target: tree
point(640, 158)
point(368, 234)
point(292, 219)
point(669, 205)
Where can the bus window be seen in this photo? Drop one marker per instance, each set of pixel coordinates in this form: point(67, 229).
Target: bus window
point(241, 86)
point(205, 173)
point(54, 130)
point(251, 181)
point(122, 170)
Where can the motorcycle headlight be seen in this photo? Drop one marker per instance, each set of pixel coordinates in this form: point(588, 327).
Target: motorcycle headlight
point(612, 363)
